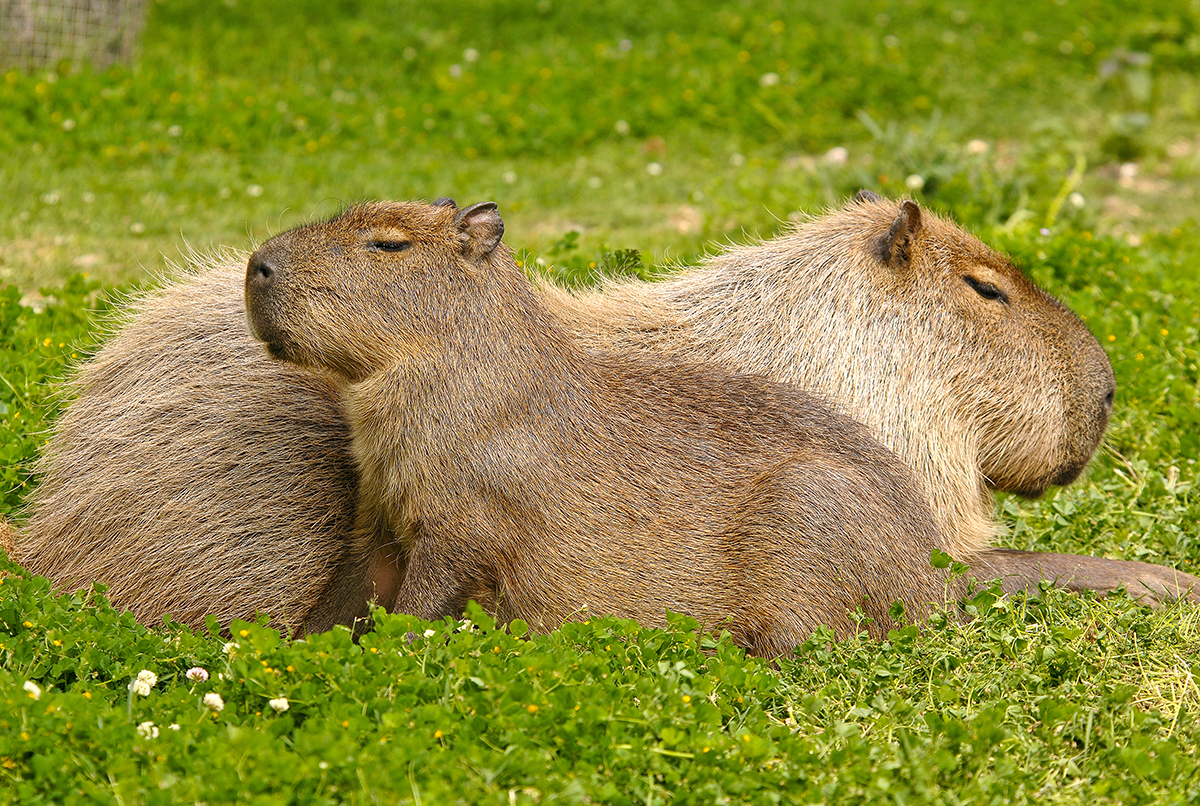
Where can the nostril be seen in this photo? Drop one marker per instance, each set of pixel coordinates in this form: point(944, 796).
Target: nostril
point(261, 271)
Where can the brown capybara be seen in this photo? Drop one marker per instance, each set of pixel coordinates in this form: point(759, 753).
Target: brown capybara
point(107, 509)
point(907, 346)
point(500, 461)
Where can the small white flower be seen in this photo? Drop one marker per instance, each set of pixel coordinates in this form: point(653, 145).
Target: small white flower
point(914, 182)
point(654, 169)
point(622, 126)
point(229, 647)
point(34, 689)
point(471, 55)
point(197, 675)
point(213, 700)
point(430, 633)
point(837, 156)
point(144, 681)
point(280, 704)
point(1076, 200)
point(173, 726)
point(768, 79)
point(254, 190)
point(148, 730)
point(977, 147)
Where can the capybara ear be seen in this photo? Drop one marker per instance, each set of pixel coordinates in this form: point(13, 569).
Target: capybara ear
point(895, 247)
point(444, 201)
point(480, 228)
point(865, 195)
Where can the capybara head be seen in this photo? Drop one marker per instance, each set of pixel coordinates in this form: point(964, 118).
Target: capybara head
point(377, 286)
point(1022, 368)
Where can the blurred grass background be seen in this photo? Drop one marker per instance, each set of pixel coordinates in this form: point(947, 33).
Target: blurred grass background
point(661, 126)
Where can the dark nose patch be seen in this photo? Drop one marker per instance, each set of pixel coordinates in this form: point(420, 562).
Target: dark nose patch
point(261, 272)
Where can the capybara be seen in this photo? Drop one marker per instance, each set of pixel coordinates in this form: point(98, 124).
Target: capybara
point(500, 461)
point(108, 509)
point(908, 345)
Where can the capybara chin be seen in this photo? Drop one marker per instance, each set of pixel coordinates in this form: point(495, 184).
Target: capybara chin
point(972, 376)
point(501, 461)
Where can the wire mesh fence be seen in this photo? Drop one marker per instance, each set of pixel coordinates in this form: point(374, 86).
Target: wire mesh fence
point(40, 33)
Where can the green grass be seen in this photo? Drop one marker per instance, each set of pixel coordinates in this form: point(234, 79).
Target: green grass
point(288, 110)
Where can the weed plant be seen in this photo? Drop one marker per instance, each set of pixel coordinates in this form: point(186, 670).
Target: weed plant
point(617, 139)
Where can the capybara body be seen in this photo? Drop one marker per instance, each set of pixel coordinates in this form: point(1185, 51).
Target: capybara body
point(973, 393)
point(501, 461)
point(151, 482)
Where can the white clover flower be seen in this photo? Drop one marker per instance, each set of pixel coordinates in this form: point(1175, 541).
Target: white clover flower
point(768, 79)
point(430, 633)
point(197, 674)
point(977, 147)
point(173, 726)
point(229, 647)
point(914, 182)
point(213, 700)
point(837, 156)
point(1077, 200)
point(144, 681)
point(280, 704)
point(148, 730)
point(33, 688)
point(654, 169)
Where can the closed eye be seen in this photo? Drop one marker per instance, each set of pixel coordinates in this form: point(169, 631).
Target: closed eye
point(986, 290)
point(389, 246)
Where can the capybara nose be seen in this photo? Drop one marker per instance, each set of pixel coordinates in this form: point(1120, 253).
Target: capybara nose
point(260, 273)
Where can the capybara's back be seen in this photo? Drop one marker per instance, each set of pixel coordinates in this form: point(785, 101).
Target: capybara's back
point(189, 474)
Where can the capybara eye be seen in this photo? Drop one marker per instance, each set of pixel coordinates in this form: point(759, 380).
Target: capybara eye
point(389, 246)
point(986, 290)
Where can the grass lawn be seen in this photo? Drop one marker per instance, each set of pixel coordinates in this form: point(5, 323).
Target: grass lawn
point(1066, 133)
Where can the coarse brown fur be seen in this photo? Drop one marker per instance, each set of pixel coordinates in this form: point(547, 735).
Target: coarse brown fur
point(144, 486)
point(501, 461)
point(758, 308)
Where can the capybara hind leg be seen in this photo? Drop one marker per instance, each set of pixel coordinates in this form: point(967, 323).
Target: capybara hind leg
point(1023, 570)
